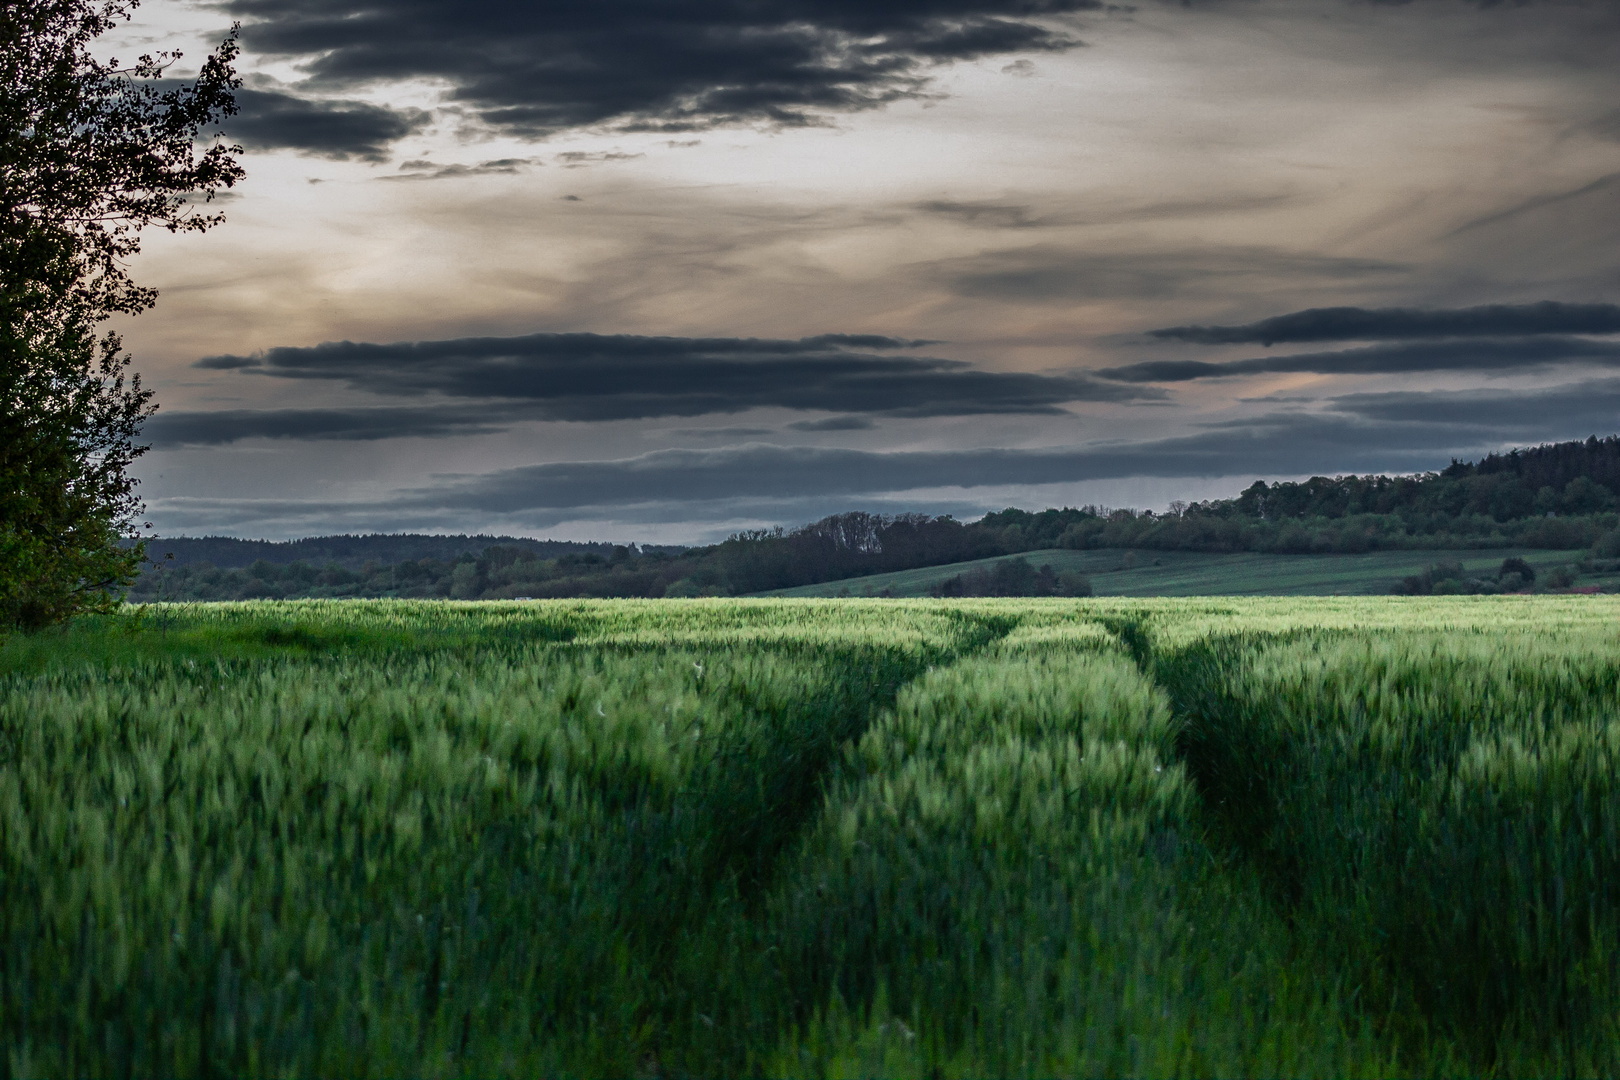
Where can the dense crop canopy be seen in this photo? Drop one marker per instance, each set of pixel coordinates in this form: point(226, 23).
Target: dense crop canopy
point(987, 837)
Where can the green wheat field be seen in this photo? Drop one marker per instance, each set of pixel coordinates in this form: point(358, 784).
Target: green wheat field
point(1210, 837)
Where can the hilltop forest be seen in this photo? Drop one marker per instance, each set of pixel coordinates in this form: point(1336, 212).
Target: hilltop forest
point(1561, 496)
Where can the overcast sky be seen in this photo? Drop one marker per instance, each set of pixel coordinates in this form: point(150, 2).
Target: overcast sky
point(663, 269)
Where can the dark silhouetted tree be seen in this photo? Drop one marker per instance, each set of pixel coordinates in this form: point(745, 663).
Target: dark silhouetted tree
point(90, 154)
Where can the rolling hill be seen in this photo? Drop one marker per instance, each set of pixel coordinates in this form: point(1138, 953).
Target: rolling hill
point(1116, 572)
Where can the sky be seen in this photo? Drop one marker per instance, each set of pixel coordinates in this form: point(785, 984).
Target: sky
point(661, 270)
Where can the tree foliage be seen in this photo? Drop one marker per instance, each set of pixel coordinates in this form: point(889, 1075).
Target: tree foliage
point(91, 153)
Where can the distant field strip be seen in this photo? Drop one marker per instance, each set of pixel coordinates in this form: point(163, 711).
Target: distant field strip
point(1184, 573)
point(1218, 836)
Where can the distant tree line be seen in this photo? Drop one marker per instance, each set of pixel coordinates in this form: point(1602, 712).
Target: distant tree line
point(353, 552)
point(1550, 497)
point(499, 572)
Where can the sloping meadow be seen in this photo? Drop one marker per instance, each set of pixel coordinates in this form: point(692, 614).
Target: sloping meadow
point(797, 838)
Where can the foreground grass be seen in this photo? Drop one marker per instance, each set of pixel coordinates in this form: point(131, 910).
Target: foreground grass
point(1211, 837)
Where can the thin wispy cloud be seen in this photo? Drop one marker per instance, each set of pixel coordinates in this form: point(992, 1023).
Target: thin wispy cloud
point(1053, 274)
point(431, 170)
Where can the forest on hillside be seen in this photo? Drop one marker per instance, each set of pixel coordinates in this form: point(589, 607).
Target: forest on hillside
point(1561, 497)
point(353, 552)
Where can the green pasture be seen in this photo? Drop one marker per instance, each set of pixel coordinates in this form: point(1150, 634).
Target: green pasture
point(1332, 836)
point(1187, 573)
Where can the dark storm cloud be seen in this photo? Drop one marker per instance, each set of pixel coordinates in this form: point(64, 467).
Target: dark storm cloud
point(1373, 324)
point(864, 341)
point(1282, 444)
point(588, 377)
point(535, 69)
point(172, 429)
point(1050, 274)
point(1512, 354)
point(274, 119)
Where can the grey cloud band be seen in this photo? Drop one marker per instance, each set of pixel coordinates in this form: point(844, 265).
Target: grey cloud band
point(1281, 443)
point(1403, 358)
point(595, 377)
point(1372, 324)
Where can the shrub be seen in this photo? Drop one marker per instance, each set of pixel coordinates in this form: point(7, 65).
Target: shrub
point(1514, 565)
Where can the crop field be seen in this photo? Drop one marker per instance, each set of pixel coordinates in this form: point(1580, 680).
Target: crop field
point(1190, 573)
point(1220, 836)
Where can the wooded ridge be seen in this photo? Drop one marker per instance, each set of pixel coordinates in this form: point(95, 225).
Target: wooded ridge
point(1560, 497)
